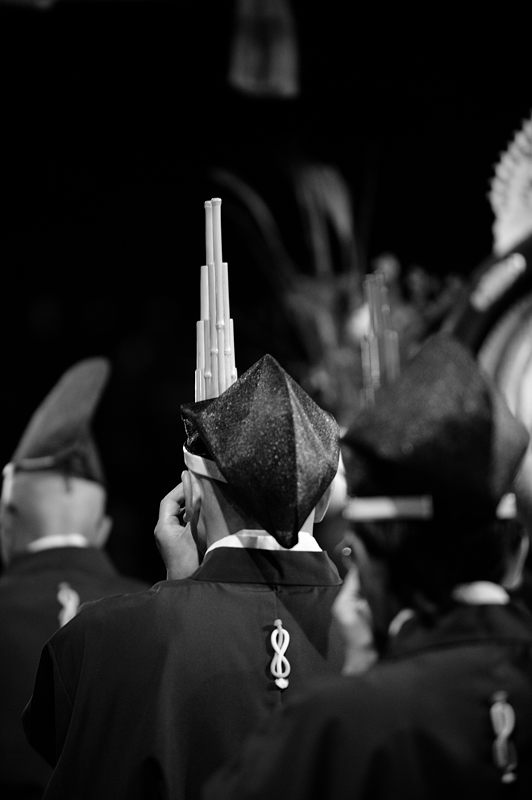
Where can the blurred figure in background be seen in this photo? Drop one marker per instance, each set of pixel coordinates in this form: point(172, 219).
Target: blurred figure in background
point(441, 705)
point(494, 314)
point(53, 528)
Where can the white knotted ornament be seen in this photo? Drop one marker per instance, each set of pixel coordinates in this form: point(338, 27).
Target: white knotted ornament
point(69, 601)
point(503, 721)
point(280, 666)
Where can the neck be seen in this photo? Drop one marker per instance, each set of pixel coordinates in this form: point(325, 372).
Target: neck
point(216, 526)
point(218, 516)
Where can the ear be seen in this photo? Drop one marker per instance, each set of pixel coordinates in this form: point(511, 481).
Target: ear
point(323, 504)
point(103, 530)
point(514, 573)
point(523, 490)
point(336, 495)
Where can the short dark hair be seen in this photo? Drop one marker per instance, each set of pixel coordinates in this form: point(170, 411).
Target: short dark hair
point(426, 559)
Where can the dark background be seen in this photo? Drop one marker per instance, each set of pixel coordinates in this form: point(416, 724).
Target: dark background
point(112, 114)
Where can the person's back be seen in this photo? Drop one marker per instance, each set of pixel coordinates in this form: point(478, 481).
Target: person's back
point(151, 692)
point(441, 716)
point(445, 710)
point(53, 531)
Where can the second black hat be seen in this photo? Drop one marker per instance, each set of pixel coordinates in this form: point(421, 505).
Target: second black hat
point(58, 435)
point(441, 430)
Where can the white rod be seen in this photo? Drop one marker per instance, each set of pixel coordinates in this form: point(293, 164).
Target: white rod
point(208, 232)
point(216, 204)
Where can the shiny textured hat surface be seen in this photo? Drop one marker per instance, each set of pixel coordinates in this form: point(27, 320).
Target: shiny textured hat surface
point(58, 436)
point(441, 429)
point(275, 447)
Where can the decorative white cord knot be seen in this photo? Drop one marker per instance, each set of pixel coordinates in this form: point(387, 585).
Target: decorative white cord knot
point(503, 720)
point(280, 666)
point(69, 601)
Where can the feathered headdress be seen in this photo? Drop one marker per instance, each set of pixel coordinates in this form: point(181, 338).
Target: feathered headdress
point(510, 193)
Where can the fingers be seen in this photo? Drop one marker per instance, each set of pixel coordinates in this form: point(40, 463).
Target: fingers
point(169, 522)
point(349, 604)
point(188, 493)
point(353, 615)
point(174, 538)
point(352, 584)
point(172, 503)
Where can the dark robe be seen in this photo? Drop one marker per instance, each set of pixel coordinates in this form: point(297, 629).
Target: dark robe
point(144, 696)
point(39, 591)
point(416, 726)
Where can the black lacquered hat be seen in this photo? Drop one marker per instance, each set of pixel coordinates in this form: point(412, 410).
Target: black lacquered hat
point(265, 437)
point(439, 441)
point(58, 436)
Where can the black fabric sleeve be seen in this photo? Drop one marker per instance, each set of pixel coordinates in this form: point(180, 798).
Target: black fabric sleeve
point(46, 715)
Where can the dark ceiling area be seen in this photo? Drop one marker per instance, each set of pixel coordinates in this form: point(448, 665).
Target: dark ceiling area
point(113, 115)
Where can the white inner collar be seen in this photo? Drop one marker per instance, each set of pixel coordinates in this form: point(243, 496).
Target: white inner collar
point(472, 594)
point(480, 592)
point(261, 540)
point(58, 540)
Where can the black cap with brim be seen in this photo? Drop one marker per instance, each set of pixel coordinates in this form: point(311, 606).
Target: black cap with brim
point(441, 431)
point(58, 436)
point(274, 446)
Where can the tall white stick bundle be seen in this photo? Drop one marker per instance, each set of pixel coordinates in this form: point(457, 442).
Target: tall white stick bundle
point(216, 205)
point(215, 357)
point(380, 346)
